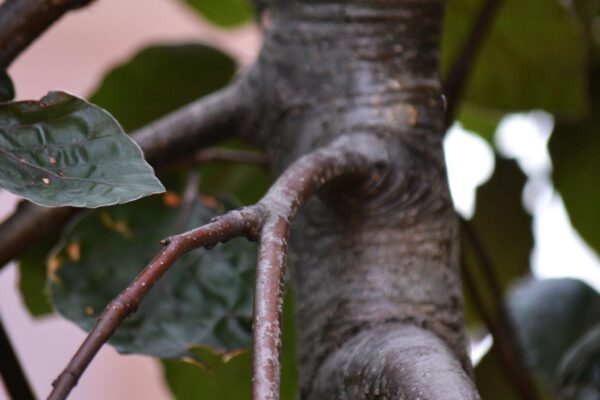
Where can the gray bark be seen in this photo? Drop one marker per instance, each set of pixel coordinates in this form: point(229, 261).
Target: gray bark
point(375, 271)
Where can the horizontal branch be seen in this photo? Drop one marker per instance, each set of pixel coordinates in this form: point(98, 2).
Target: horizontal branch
point(268, 221)
point(225, 155)
point(177, 135)
point(22, 21)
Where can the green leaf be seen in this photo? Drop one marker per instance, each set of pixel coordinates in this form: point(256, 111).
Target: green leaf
point(536, 312)
point(491, 378)
point(205, 299)
point(160, 79)
point(503, 227)
point(230, 380)
point(523, 64)
point(480, 120)
point(7, 90)
point(33, 279)
point(64, 151)
point(576, 168)
point(226, 13)
point(246, 183)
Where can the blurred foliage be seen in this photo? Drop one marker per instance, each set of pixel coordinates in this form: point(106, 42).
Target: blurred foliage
point(504, 229)
point(530, 49)
point(160, 79)
point(226, 13)
point(231, 380)
point(558, 324)
point(33, 278)
point(576, 168)
point(205, 299)
point(579, 371)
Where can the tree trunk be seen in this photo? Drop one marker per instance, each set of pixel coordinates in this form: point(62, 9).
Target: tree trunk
point(375, 271)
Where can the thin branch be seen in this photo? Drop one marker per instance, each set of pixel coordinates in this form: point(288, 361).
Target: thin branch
point(233, 224)
point(270, 219)
point(22, 21)
point(15, 380)
point(456, 80)
point(502, 329)
point(177, 135)
point(282, 202)
point(225, 155)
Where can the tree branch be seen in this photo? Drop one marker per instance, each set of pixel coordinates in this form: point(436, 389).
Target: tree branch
point(269, 220)
point(456, 80)
point(501, 328)
point(177, 135)
point(233, 224)
point(22, 21)
point(226, 155)
point(15, 380)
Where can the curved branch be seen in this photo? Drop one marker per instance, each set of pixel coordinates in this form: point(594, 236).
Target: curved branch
point(228, 226)
point(22, 21)
point(177, 135)
point(393, 361)
point(455, 82)
point(271, 217)
point(281, 203)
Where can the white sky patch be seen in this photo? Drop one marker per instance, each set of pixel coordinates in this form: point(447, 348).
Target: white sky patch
point(480, 348)
point(470, 163)
point(559, 250)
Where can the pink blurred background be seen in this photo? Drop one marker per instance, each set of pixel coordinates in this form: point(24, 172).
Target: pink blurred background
point(72, 56)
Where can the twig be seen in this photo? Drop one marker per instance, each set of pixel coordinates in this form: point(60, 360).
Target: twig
point(22, 21)
point(233, 224)
point(454, 84)
point(268, 220)
point(15, 380)
point(501, 328)
point(177, 135)
point(230, 155)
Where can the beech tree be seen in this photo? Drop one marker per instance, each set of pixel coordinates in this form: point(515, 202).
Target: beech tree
point(329, 155)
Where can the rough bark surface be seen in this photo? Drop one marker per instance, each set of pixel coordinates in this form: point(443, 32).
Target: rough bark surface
point(375, 266)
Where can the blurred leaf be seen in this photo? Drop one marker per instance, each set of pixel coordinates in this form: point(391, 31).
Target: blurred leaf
point(493, 383)
point(532, 46)
point(503, 227)
point(231, 380)
point(247, 183)
point(491, 380)
point(65, 151)
point(547, 327)
point(579, 372)
point(204, 300)
point(480, 120)
point(33, 278)
point(576, 168)
point(160, 79)
point(7, 90)
point(226, 13)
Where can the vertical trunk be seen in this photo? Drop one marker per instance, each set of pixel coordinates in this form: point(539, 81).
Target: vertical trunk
point(375, 274)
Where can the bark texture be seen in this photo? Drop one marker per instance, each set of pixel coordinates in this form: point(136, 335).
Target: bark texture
point(375, 271)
